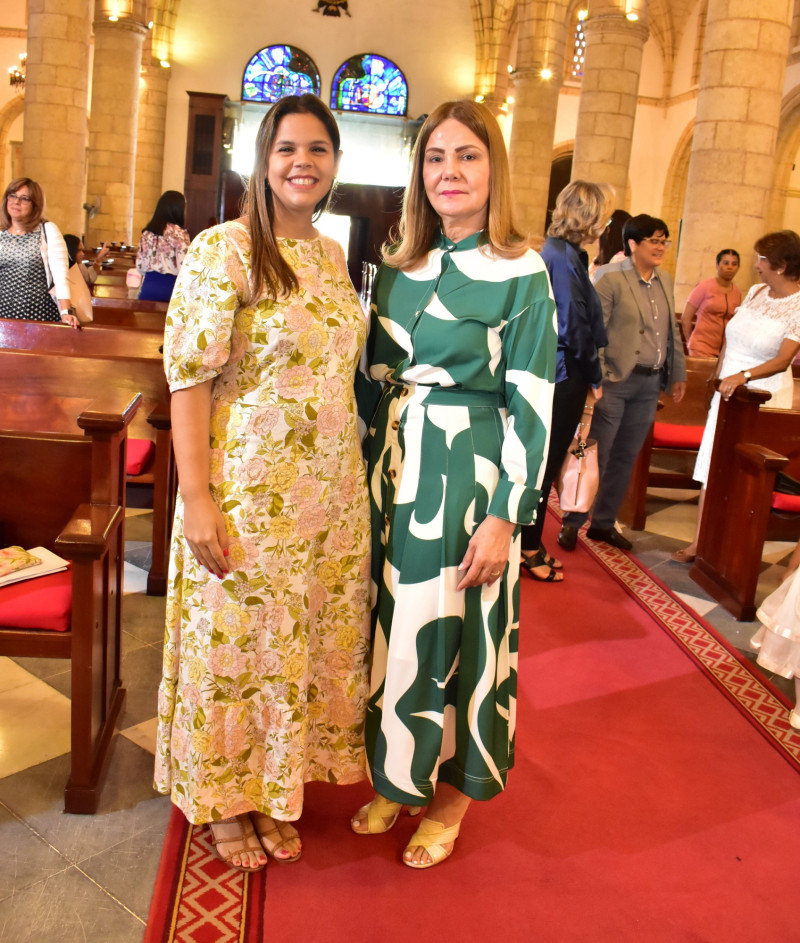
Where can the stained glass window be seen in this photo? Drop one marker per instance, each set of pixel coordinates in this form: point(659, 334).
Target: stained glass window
point(277, 71)
point(370, 83)
point(578, 47)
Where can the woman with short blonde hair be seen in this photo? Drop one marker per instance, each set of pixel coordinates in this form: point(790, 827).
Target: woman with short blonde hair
point(581, 213)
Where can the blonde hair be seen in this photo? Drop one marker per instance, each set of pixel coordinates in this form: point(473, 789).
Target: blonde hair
point(268, 268)
point(420, 222)
point(582, 211)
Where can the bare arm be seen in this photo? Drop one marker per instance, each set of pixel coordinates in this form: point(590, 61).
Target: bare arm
point(687, 318)
point(204, 526)
point(786, 354)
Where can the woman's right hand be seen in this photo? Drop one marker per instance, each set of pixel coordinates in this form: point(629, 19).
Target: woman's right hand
point(204, 530)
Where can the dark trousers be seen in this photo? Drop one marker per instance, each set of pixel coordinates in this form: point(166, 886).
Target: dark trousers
point(620, 423)
point(568, 398)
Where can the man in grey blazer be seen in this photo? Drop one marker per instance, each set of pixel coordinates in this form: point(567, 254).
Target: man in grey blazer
point(644, 356)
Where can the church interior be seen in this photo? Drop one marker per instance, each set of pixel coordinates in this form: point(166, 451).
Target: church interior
point(690, 109)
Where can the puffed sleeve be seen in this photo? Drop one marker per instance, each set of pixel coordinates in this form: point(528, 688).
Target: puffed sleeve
point(208, 291)
point(529, 353)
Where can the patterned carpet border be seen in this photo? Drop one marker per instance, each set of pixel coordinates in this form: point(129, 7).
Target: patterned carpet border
point(730, 671)
point(202, 900)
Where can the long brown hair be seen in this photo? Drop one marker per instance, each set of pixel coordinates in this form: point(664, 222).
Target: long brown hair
point(268, 267)
point(37, 203)
point(420, 222)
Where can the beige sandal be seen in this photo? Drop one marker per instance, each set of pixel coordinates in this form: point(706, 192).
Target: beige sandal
point(243, 838)
point(273, 835)
point(432, 836)
point(378, 811)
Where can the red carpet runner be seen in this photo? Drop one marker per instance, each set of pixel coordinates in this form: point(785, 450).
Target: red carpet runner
point(646, 804)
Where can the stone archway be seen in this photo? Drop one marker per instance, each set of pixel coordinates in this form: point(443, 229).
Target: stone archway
point(675, 194)
point(8, 115)
point(786, 149)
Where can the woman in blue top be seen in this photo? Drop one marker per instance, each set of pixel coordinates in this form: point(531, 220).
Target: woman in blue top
point(581, 214)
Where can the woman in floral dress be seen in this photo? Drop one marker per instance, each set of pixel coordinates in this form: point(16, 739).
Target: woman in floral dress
point(463, 339)
point(265, 679)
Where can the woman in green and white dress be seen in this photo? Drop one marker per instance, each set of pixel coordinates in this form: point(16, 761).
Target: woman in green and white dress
point(462, 352)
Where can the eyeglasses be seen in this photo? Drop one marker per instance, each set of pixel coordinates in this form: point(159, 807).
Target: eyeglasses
point(762, 258)
point(664, 243)
point(18, 199)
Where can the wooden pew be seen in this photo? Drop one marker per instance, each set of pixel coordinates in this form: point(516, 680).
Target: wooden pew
point(55, 359)
point(62, 464)
point(120, 291)
point(751, 445)
point(130, 314)
point(674, 441)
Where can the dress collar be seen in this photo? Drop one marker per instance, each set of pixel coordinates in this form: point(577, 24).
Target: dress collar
point(470, 242)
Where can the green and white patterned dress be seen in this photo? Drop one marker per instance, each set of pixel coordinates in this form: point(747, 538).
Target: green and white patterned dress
point(265, 678)
point(465, 347)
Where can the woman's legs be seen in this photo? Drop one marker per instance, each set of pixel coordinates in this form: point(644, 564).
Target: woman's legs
point(569, 397)
point(688, 554)
point(449, 806)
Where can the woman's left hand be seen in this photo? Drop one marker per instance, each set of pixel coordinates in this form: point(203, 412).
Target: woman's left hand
point(729, 385)
point(67, 318)
point(487, 553)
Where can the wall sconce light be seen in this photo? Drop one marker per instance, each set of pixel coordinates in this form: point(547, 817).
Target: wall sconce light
point(546, 74)
point(630, 13)
point(16, 73)
point(164, 64)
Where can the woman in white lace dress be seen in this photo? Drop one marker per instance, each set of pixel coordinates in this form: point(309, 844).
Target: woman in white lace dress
point(761, 340)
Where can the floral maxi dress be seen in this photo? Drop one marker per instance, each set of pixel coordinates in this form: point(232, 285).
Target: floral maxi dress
point(265, 680)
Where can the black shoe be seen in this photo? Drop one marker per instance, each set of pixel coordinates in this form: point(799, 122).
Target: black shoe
point(611, 536)
point(568, 538)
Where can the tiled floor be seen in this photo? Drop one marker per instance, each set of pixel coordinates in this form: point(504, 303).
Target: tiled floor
point(89, 879)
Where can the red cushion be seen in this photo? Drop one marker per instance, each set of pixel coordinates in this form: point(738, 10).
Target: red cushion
point(786, 502)
point(45, 602)
point(140, 451)
point(667, 435)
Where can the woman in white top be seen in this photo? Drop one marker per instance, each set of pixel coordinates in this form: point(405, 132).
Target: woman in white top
point(33, 258)
point(760, 344)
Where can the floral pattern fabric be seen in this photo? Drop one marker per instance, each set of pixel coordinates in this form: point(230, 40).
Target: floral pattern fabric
point(265, 671)
point(164, 253)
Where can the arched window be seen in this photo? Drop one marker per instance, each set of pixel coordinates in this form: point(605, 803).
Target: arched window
point(575, 66)
point(277, 71)
point(369, 83)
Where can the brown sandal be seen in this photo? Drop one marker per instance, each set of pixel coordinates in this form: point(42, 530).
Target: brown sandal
point(273, 835)
point(244, 840)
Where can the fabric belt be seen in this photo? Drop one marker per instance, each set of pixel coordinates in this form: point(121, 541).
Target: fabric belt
point(647, 371)
point(448, 396)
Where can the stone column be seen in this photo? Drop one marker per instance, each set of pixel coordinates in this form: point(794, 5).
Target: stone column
point(609, 92)
point(540, 46)
point(735, 135)
point(112, 129)
point(150, 138)
point(56, 86)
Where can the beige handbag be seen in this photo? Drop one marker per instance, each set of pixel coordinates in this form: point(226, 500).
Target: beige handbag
point(579, 476)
